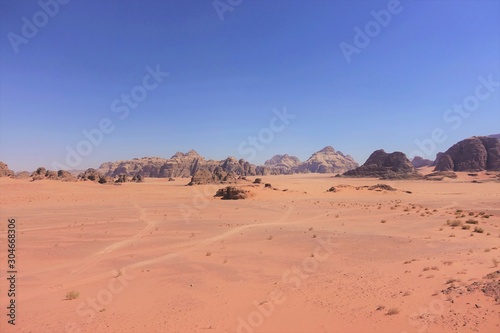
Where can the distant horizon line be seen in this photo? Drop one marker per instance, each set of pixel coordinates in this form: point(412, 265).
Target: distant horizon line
point(497, 136)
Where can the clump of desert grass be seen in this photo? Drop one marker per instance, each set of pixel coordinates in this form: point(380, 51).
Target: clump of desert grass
point(72, 295)
point(393, 311)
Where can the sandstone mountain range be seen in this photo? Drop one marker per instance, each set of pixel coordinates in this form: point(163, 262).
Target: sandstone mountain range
point(327, 160)
point(477, 153)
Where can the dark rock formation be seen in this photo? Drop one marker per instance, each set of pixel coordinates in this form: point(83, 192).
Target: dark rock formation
point(386, 166)
point(472, 154)
point(440, 175)
point(65, 175)
point(121, 179)
point(232, 193)
point(94, 176)
point(5, 171)
point(328, 160)
point(444, 162)
point(138, 179)
point(419, 162)
point(42, 173)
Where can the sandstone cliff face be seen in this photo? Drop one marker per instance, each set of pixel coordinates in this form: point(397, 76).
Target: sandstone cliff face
point(387, 166)
point(328, 160)
point(5, 171)
point(472, 154)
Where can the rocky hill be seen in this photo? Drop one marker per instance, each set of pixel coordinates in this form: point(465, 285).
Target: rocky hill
point(5, 171)
point(477, 153)
point(283, 164)
point(419, 162)
point(328, 160)
point(387, 166)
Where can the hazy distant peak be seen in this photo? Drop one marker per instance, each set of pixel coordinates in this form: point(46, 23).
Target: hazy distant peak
point(192, 153)
point(283, 160)
point(328, 149)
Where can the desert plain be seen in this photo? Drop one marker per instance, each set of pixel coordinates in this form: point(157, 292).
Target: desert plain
point(161, 256)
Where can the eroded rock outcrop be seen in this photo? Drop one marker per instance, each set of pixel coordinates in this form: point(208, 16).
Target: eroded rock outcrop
point(5, 171)
point(386, 166)
point(232, 193)
point(477, 153)
point(42, 173)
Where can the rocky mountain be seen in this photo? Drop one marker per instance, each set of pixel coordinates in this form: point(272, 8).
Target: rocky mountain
point(387, 166)
point(179, 165)
point(477, 153)
point(283, 164)
point(419, 162)
point(5, 171)
point(494, 136)
point(192, 164)
point(328, 160)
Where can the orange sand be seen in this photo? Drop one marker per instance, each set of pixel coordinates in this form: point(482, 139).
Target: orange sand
point(164, 257)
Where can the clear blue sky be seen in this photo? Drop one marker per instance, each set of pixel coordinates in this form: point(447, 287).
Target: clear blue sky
point(226, 77)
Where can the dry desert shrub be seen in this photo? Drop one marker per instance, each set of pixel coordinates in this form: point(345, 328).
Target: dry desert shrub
point(393, 311)
point(454, 223)
point(72, 295)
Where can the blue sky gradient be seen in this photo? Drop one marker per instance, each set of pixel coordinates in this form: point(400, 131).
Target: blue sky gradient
point(227, 76)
